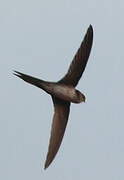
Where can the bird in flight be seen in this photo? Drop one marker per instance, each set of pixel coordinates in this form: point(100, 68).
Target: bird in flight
point(63, 93)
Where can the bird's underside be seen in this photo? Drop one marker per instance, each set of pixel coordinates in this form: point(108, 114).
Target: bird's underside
point(63, 99)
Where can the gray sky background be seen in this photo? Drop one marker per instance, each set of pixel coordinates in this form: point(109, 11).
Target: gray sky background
point(40, 38)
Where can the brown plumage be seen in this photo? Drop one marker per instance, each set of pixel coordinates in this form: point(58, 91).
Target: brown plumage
point(63, 93)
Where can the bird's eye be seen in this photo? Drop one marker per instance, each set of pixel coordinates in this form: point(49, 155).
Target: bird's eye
point(78, 93)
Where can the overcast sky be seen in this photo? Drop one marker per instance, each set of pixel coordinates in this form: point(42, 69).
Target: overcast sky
point(40, 38)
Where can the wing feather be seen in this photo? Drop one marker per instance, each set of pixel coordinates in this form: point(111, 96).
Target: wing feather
point(79, 61)
point(60, 119)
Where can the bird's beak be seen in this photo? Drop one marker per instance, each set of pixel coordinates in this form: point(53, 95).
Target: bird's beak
point(83, 99)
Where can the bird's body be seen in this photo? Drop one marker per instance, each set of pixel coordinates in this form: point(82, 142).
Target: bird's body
point(67, 93)
point(57, 89)
point(63, 93)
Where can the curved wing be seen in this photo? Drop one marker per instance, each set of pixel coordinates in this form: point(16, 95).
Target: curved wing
point(60, 119)
point(79, 62)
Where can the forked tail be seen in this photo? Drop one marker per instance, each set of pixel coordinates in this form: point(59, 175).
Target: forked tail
point(29, 79)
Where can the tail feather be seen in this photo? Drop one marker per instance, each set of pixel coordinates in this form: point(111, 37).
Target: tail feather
point(29, 79)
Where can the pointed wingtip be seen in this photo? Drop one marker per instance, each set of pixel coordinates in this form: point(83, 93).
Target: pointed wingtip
point(89, 34)
point(45, 167)
point(90, 28)
point(47, 163)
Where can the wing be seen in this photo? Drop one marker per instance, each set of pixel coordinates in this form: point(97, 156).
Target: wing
point(79, 62)
point(60, 118)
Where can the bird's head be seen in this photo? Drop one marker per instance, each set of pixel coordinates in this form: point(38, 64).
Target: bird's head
point(80, 96)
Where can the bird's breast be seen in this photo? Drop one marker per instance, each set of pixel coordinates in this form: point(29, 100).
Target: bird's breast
point(63, 92)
